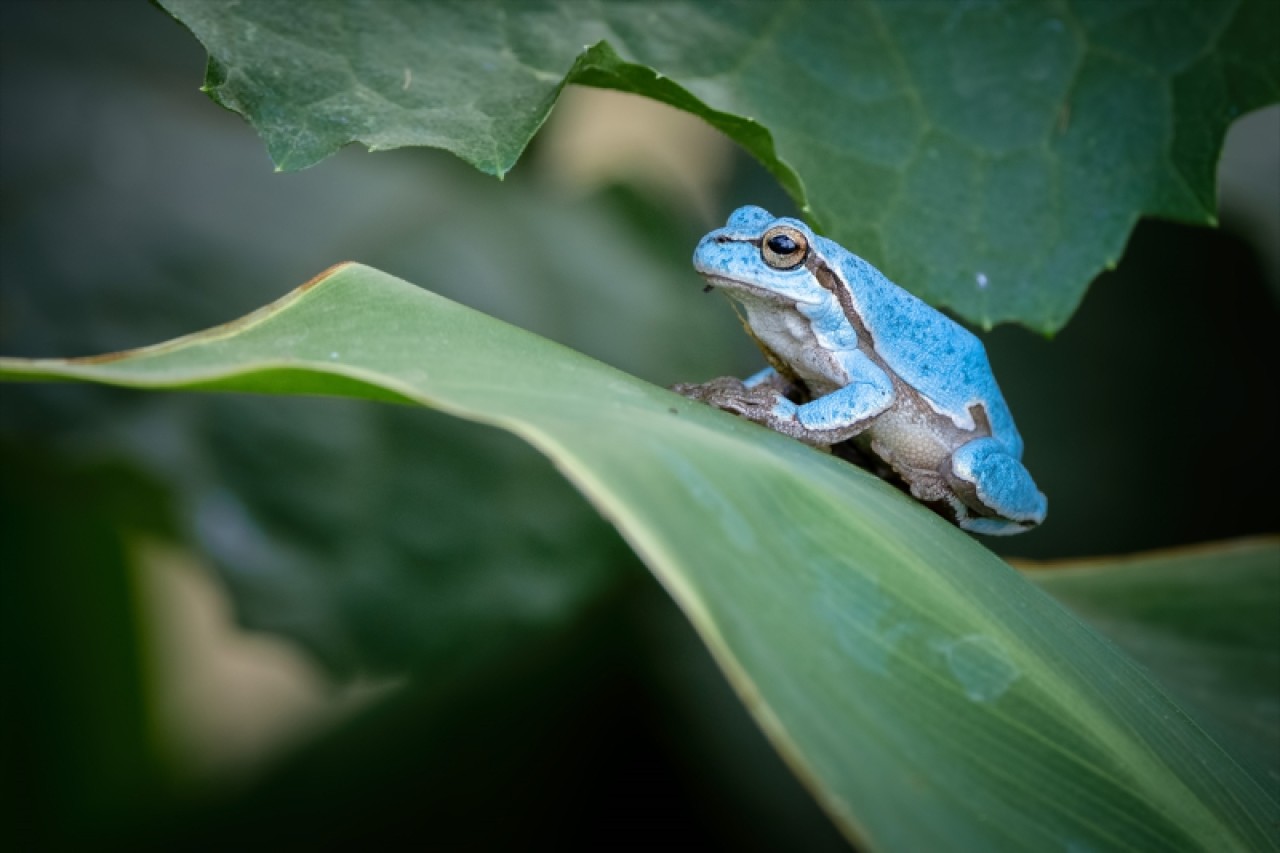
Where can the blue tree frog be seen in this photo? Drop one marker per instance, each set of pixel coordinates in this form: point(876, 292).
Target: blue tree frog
point(855, 357)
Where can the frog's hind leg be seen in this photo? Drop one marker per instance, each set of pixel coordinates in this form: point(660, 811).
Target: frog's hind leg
point(996, 486)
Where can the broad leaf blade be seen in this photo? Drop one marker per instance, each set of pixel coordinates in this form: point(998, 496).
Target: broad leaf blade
point(990, 157)
point(1206, 622)
point(930, 696)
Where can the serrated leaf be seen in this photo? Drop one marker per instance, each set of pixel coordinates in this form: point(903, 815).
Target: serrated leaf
point(930, 696)
point(991, 157)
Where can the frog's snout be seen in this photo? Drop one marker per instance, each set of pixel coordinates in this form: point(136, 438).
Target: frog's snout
point(718, 251)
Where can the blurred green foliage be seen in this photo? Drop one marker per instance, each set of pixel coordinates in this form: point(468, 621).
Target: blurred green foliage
point(1146, 421)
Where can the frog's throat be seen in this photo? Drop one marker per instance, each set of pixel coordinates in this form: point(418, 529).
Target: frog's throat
point(783, 369)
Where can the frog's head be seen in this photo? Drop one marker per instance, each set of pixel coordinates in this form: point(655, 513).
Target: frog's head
point(757, 256)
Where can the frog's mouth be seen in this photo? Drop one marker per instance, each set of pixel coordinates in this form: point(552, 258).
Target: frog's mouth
point(733, 284)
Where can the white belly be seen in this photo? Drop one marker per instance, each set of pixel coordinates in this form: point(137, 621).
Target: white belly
point(790, 336)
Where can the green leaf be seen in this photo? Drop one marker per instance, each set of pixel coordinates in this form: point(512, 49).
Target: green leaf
point(930, 696)
point(991, 157)
point(1206, 622)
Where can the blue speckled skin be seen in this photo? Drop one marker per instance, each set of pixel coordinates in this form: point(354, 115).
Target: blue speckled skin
point(882, 367)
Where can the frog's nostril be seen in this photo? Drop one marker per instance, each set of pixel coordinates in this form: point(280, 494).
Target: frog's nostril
point(722, 238)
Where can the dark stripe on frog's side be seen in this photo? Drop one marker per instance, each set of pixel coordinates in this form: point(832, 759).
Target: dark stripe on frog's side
point(833, 282)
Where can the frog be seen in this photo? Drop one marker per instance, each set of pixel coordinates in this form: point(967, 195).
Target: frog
point(855, 360)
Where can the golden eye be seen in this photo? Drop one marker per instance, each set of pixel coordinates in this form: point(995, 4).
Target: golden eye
point(784, 247)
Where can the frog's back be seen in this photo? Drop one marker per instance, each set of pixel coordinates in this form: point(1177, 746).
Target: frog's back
point(929, 351)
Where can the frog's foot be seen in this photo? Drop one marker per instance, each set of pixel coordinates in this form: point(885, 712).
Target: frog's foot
point(755, 403)
point(762, 404)
point(996, 494)
point(722, 388)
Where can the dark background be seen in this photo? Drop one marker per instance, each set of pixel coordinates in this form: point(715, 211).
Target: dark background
point(538, 685)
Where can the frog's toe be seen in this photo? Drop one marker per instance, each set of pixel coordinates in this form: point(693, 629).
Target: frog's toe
point(994, 526)
point(998, 488)
point(709, 392)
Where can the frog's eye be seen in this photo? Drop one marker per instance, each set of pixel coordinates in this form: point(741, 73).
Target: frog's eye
point(784, 247)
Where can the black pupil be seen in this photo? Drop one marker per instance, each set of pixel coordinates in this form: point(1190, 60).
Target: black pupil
point(782, 245)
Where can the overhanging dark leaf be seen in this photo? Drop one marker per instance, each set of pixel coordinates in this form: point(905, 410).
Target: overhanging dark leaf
point(991, 157)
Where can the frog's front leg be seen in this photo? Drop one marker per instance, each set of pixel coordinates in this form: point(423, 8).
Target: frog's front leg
point(829, 419)
point(995, 485)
